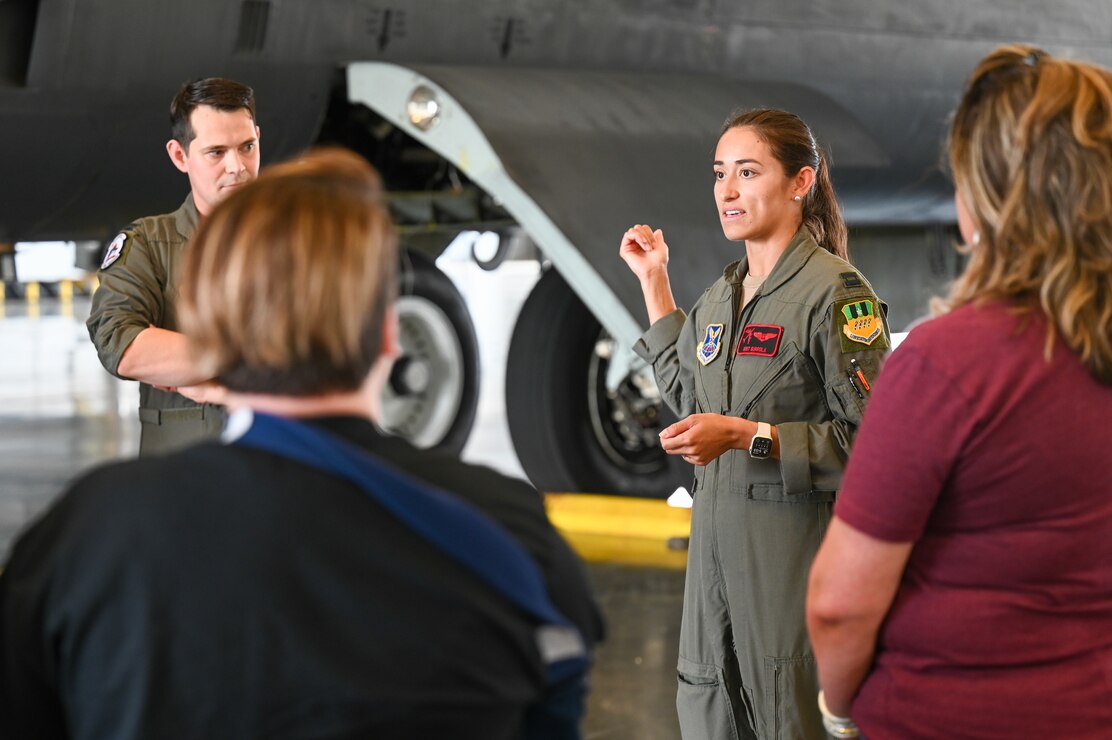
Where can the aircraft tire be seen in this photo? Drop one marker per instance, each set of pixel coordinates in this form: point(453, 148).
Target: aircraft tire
point(560, 420)
point(433, 392)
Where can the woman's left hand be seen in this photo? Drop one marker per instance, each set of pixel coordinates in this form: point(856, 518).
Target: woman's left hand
point(701, 438)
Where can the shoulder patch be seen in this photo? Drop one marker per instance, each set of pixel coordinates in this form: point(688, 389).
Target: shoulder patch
point(851, 280)
point(859, 324)
point(115, 249)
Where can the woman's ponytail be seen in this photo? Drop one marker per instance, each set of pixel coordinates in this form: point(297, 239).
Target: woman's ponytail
point(822, 214)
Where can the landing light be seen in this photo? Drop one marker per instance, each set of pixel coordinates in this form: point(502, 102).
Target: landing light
point(423, 108)
point(486, 246)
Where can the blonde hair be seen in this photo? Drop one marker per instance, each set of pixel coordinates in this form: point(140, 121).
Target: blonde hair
point(1031, 152)
point(285, 286)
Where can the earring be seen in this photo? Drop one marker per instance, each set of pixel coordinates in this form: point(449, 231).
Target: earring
point(798, 198)
point(976, 238)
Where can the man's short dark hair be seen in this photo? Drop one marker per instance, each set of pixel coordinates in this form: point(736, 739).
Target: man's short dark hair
point(217, 92)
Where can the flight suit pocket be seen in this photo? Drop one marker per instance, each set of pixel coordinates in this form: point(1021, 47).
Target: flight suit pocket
point(788, 390)
point(791, 686)
point(852, 401)
point(703, 702)
point(169, 430)
point(761, 480)
point(775, 492)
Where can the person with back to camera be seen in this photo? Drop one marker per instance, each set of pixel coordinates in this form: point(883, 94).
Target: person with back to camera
point(769, 374)
point(309, 577)
point(133, 321)
point(964, 589)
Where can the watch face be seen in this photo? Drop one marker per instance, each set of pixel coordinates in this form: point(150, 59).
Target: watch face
point(761, 447)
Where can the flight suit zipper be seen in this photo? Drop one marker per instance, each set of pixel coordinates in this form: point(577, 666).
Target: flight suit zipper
point(735, 334)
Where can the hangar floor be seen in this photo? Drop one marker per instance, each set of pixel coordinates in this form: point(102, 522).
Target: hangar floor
point(60, 413)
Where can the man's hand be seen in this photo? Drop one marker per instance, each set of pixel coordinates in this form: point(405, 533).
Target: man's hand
point(161, 358)
point(701, 438)
point(207, 392)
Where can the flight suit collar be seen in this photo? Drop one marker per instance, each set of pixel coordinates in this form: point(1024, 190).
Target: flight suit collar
point(186, 217)
point(795, 256)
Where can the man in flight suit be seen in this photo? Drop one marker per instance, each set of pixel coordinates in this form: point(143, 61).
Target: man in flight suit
point(133, 321)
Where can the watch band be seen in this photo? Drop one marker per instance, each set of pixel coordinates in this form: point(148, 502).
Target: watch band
point(764, 429)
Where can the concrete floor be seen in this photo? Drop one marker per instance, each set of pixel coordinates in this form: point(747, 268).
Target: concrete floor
point(60, 413)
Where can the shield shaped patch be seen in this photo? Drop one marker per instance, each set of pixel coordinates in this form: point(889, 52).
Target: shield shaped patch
point(115, 249)
point(712, 342)
point(861, 322)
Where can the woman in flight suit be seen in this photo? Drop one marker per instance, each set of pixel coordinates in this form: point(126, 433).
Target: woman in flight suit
point(769, 374)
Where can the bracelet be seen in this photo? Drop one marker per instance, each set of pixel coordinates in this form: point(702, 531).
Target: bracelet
point(835, 725)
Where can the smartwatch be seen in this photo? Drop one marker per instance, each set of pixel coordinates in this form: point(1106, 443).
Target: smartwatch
point(761, 445)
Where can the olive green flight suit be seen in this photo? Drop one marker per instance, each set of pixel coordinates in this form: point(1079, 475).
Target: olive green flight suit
point(745, 664)
point(138, 288)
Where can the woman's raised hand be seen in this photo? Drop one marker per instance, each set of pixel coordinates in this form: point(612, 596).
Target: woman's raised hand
point(644, 250)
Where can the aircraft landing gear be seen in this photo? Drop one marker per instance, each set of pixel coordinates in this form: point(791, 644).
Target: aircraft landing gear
point(434, 386)
point(571, 433)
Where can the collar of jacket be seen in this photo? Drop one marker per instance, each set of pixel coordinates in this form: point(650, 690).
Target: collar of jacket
point(186, 217)
point(794, 257)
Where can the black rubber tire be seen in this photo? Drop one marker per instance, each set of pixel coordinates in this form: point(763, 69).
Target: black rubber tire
point(420, 277)
point(547, 407)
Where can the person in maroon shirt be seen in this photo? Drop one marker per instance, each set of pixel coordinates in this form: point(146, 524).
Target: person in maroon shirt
point(964, 588)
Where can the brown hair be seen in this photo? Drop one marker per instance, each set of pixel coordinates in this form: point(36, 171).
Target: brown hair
point(793, 145)
point(216, 92)
point(1030, 148)
point(285, 286)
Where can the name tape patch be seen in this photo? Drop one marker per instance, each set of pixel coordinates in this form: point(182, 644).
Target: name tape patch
point(760, 340)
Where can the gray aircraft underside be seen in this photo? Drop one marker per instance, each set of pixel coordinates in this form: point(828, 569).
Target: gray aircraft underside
point(563, 122)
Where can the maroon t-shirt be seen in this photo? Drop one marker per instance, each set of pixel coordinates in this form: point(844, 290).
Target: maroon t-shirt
point(998, 466)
